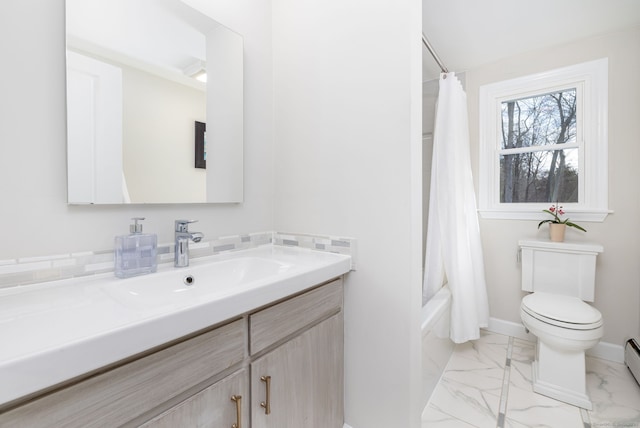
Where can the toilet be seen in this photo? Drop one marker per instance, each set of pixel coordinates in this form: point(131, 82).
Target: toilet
point(561, 279)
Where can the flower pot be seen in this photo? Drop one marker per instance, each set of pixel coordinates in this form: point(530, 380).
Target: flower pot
point(556, 231)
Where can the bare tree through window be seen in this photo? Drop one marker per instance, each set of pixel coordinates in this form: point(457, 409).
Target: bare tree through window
point(539, 154)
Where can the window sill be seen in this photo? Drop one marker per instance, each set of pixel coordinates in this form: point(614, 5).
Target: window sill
point(595, 216)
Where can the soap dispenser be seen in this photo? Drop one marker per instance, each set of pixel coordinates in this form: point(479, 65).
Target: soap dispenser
point(135, 254)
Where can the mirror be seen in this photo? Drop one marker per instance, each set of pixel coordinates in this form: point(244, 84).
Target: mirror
point(136, 111)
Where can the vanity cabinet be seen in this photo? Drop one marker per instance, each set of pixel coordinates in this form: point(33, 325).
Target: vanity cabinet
point(121, 394)
point(286, 358)
point(297, 378)
point(299, 384)
point(127, 392)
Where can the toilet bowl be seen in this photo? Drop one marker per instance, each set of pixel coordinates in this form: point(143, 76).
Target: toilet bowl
point(559, 367)
point(557, 314)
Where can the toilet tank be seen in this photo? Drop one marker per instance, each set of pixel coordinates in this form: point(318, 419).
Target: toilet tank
point(559, 267)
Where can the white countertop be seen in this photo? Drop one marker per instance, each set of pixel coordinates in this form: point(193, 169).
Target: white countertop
point(52, 332)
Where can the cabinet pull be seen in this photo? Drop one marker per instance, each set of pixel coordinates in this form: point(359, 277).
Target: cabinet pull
point(238, 400)
point(267, 404)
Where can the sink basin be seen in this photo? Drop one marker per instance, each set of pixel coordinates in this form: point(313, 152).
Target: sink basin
point(53, 332)
point(203, 281)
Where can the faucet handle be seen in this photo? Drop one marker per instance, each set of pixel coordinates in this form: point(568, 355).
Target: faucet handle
point(183, 225)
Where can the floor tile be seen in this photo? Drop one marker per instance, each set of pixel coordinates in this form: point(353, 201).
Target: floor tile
point(614, 393)
point(479, 375)
point(434, 418)
point(521, 358)
point(476, 406)
point(525, 408)
point(470, 387)
point(487, 352)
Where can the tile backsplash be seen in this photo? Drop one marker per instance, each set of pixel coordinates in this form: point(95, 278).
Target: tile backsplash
point(33, 270)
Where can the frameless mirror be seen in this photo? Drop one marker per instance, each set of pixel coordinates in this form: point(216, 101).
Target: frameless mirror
point(137, 111)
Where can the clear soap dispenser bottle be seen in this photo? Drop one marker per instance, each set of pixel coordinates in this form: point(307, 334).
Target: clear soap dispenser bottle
point(135, 254)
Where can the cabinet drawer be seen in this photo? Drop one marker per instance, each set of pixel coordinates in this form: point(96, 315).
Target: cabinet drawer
point(275, 323)
point(212, 407)
point(114, 397)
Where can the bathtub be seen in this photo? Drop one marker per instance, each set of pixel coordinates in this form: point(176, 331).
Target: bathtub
point(436, 345)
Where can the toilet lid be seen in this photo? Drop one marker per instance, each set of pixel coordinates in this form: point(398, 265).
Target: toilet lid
point(565, 309)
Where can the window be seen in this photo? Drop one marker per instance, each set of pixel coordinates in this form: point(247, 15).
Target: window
point(539, 151)
point(543, 139)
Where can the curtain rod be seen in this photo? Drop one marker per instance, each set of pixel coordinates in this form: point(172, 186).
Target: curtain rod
point(433, 53)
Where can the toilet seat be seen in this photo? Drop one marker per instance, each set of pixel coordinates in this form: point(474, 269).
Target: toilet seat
point(562, 311)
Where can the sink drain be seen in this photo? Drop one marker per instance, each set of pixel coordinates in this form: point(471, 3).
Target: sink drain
point(189, 280)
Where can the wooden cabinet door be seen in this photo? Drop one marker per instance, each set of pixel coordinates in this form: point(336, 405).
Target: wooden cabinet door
point(212, 407)
point(306, 384)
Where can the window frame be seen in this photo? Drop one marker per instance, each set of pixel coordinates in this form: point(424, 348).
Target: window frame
point(591, 82)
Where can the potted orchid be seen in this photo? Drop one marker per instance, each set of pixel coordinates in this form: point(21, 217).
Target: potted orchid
point(557, 226)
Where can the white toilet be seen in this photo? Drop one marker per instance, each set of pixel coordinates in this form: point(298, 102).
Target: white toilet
point(561, 277)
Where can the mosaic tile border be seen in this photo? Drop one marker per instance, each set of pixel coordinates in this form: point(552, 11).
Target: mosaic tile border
point(331, 244)
point(32, 270)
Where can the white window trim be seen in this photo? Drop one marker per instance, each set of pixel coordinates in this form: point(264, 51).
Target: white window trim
point(592, 79)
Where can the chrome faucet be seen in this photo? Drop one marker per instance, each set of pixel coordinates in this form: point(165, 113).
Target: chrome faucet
point(183, 236)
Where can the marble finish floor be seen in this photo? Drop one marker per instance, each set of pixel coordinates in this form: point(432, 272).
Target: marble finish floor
point(487, 383)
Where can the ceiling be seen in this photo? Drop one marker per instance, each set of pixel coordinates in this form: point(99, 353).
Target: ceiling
point(464, 33)
point(468, 33)
point(165, 34)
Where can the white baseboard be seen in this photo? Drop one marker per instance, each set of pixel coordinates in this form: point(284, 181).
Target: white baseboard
point(509, 328)
point(345, 426)
point(604, 350)
point(607, 351)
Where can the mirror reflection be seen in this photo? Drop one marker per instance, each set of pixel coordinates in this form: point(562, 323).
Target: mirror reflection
point(143, 77)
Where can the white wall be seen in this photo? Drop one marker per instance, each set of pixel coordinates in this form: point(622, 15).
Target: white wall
point(347, 95)
point(35, 216)
point(347, 162)
point(430, 91)
point(158, 138)
point(618, 268)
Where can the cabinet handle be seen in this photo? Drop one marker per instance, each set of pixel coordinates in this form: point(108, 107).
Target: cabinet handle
point(238, 400)
point(267, 404)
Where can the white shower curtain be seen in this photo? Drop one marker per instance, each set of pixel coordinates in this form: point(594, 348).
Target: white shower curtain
point(454, 252)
